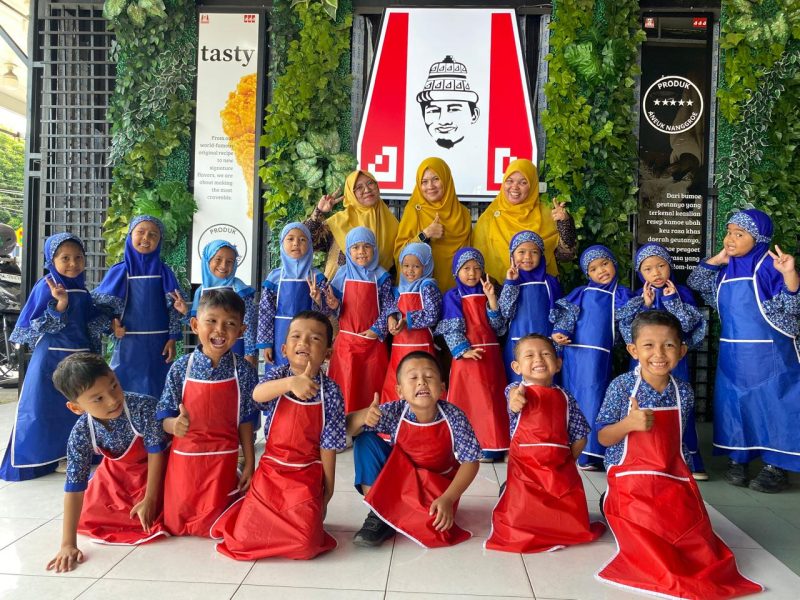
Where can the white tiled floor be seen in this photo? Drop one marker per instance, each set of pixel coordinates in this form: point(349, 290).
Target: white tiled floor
point(189, 568)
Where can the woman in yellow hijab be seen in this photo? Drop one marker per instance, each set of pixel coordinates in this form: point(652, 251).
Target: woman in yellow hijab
point(363, 207)
point(516, 208)
point(434, 215)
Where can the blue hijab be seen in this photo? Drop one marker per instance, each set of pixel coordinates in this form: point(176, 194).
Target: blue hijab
point(115, 283)
point(622, 293)
point(40, 295)
point(653, 249)
point(768, 280)
point(451, 303)
point(292, 268)
point(425, 256)
point(209, 280)
point(372, 272)
point(539, 272)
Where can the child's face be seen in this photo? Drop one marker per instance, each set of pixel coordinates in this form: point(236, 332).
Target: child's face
point(103, 400)
point(517, 187)
point(218, 329)
point(737, 241)
point(69, 260)
point(470, 273)
point(536, 361)
point(419, 383)
point(223, 262)
point(295, 244)
point(306, 341)
point(527, 256)
point(431, 186)
point(602, 270)
point(411, 267)
point(655, 271)
point(658, 349)
point(362, 253)
point(145, 237)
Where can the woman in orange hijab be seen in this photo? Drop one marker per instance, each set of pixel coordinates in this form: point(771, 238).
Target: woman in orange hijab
point(517, 208)
point(363, 207)
point(434, 215)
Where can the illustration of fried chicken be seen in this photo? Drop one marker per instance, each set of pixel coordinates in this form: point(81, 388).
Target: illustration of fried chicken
point(239, 124)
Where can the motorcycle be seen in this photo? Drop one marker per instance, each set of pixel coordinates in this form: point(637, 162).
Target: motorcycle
point(10, 306)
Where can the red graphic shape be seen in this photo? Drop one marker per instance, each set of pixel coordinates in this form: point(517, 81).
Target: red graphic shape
point(510, 128)
point(384, 118)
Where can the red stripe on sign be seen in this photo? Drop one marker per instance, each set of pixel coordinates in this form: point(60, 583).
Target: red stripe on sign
point(509, 129)
point(383, 141)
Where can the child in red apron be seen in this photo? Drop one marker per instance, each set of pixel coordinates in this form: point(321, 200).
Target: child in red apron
point(419, 302)
point(652, 503)
point(413, 483)
point(542, 506)
point(470, 325)
point(207, 405)
point(121, 503)
point(364, 289)
point(282, 513)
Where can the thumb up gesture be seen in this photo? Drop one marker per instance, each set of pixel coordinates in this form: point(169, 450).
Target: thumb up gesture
point(303, 385)
point(435, 230)
point(373, 412)
point(181, 424)
point(638, 419)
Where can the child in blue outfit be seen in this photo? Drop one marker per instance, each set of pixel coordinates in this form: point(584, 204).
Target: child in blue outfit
point(294, 287)
point(144, 294)
point(220, 259)
point(528, 296)
point(584, 325)
point(121, 502)
point(757, 388)
point(58, 319)
point(654, 267)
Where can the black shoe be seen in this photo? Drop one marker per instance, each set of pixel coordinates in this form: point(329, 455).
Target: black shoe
point(770, 480)
point(502, 488)
point(373, 532)
point(736, 474)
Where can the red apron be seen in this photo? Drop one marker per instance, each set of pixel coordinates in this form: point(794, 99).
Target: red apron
point(358, 364)
point(282, 512)
point(420, 468)
point(672, 552)
point(478, 386)
point(406, 342)
point(543, 506)
point(116, 486)
point(201, 475)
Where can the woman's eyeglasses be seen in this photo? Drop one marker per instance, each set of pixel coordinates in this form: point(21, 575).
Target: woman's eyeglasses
point(362, 187)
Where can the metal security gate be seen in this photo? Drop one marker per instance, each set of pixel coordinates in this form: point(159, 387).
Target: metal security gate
point(68, 182)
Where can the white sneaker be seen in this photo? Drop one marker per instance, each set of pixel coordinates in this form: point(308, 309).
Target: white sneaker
point(62, 466)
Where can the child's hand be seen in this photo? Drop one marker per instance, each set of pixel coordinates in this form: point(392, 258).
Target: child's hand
point(268, 355)
point(488, 288)
point(313, 290)
point(117, 327)
point(442, 507)
point(145, 510)
point(374, 413)
point(513, 272)
point(474, 353)
point(59, 294)
point(328, 201)
point(180, 426)
point(399, 325)
point(330, 299)
point(669, 288)
point(720, 259)
point(245, 478)
point(648, 295)
point(302, 386)
point(561, 339)
point(169, 351)
point(559, 211)
point(638, 419)
point(178, 303)
point(783, 263)
point(517, 399)
point(369, 334)
point(435, 230)
point(67, 559)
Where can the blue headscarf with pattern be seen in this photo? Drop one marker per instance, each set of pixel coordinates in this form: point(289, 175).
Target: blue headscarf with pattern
point(537, 274)
point(451, 303)
point(649, 250)
point(622, 293)
point(768, 279)
point(425, 256)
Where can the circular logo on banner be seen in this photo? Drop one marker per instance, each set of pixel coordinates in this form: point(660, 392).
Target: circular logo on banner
point(673, 104)
point(223, 231)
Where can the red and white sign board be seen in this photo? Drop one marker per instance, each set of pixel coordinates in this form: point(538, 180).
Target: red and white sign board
point(449, 83)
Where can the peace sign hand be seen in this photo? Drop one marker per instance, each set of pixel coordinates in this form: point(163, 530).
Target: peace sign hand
point(313, 289)
point(513, 272)
point(488, 288)
point(559, 212)
point(330, 299)
point(648, 294)
point(328, 201)
point(58, 292)
point(785, 265)
point(178, 303)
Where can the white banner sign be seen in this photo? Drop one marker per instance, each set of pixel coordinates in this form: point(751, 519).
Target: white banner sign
point(225, 136)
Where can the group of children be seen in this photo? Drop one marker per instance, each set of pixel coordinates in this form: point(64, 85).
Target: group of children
point(417, 441)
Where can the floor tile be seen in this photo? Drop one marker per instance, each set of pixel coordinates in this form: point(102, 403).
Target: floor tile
point(258, 592)
point(475, 514)
point(423, 596)
point(764, 525)
point(346, 511)
point(485, 483)
point(25, 587)
point(41, 498)
point(730, 533)
point(181, 559)
point(719, 493)
point(30, 554)
point(463, 569)
point(13, 529)
point(346, 567)
point(131, 589)
point(345, 475)
point(760, 566)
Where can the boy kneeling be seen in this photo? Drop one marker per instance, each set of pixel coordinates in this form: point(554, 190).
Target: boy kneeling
point(414, 483)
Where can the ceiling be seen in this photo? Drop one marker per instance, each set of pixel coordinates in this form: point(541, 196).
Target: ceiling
point(14, 18)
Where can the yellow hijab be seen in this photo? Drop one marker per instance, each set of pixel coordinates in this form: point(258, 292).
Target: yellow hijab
point(378, 218)
point(419, 213)
point(502, 220)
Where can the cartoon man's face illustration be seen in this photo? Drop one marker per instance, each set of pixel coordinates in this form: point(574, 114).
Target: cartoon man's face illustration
point(448, 120)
